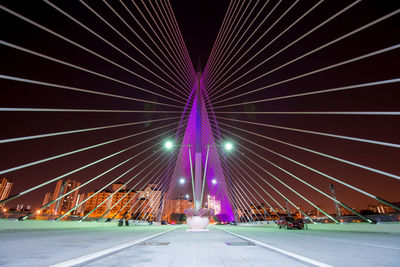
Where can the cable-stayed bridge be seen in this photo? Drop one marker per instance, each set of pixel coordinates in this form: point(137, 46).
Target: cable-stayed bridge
point(107, 120)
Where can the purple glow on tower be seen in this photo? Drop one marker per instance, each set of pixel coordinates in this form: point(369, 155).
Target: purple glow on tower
point(198, 127)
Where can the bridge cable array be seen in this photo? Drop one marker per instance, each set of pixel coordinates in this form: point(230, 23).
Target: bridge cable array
point(288, 137)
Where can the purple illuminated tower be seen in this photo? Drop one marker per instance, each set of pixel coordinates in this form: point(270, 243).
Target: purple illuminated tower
point(197, 141)
point(198, 147)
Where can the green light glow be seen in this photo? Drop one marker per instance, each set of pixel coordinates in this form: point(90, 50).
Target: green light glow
point(228, 146)
point(169, 145)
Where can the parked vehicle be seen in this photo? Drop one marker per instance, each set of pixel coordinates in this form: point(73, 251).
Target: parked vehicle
point(290, 223)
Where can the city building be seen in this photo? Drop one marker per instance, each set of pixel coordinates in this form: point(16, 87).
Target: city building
point(344, 211)
point(214, 204)
point(381, 209)
point(279, 210)
point(81, 208)
point(23, 207)
point(125, 201)
point(48, 197)
point(119, 200)
point(96, 199)
point(118, 185)
point(262, 210)
point(5, 189)
point(175, 208)
point(140, 209)
point(259, 212)
point(63, 204)
point(150, 201)
point(298, 214)
point(316, 212)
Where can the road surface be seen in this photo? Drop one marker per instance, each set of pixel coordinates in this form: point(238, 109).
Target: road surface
point(180, 248)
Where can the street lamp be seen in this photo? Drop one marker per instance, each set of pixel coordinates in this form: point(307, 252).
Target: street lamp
point(168, 145)
point(187, 196)
point(214, 181)
point(228, 146)
point(182, 180)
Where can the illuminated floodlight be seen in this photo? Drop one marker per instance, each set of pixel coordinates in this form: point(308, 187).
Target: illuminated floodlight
point(169, 145)
point(214, 181)
point(228, 146)
point(182, 180)
point(186, 196)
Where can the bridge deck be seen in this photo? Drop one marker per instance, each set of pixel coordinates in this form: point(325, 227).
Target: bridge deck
point(197, 249)
point(48, 247)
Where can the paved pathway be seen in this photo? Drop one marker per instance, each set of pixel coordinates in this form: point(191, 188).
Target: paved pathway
point(46, 247)
point(332, 247)
point(33, 248)
point(200, 249)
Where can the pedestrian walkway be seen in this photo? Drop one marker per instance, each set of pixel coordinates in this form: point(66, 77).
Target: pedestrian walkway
point(202, 249)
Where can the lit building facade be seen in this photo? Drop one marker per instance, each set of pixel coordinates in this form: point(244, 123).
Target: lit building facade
point(95, 199)
point(63, 204)
point(124, 205)
point(48, 197)
point(81, 197)
point(214, 204)
point(119, 200)
point(150, 201)
point(23, 207)
point(176, 206)
point(381, 209)
point(5, 189)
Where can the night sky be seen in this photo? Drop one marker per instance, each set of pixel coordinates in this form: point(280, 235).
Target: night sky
point(199, 23)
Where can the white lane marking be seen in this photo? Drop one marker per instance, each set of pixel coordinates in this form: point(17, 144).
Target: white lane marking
point(101, 253)
point(377, 246)
point(293, 255)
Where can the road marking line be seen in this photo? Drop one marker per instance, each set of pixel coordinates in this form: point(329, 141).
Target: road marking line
point(293, 255)
point(101, 253)
point(369, 245)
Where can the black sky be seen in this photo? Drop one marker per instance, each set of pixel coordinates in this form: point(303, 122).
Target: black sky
point(199, 22)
